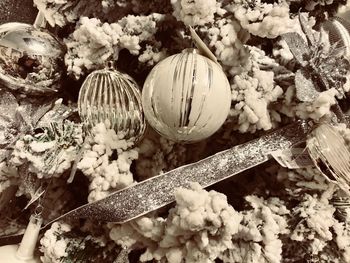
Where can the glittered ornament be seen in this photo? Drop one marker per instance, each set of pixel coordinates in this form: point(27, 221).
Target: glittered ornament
point(31, 59)
point(186, 97)
point(108, 95)
point(321, 66)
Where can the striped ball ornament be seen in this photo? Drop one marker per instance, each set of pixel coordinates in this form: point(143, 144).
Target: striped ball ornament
point(338, 30)
point(108, 95)
point(186, 97)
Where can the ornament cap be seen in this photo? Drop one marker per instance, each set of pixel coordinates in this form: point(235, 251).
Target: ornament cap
point(110, 65)
point(202, 47)
point(191, 50)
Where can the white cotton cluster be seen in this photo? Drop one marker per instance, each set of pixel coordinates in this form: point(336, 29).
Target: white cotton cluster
point(346, 86)
point(105, 173)
point(198, 229)
point(107, 5)
point(263, 19)
point(251, 97)
point(342, 239)
point(150, 56)
point(38, 164)
point(223, 37)
point(258, 237)
point(196, 12)
point(62, 12)
point(259, 59)
point(315, 216)
point(94, 42)
point(145, 231)
point(319, 108)
point(53, 245)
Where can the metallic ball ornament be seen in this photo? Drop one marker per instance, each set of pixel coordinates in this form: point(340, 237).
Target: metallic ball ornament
point(338, 30)
point(108, 95)
point(186, 97)
point(31, 60)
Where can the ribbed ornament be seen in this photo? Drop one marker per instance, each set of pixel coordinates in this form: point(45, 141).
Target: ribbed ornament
point(342, 205)
point(186, 97)
point(339, 33)
point(108, 95)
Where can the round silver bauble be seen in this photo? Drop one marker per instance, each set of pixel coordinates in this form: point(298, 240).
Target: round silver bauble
point(31, 59)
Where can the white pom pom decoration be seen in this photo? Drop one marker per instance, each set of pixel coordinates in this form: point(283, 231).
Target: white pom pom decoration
point(186, 97)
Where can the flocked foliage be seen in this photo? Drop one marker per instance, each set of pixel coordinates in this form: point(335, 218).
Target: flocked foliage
point(271, 52)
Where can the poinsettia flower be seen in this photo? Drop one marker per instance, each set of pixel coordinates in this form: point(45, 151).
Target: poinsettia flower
point(19, 119)
point(322, 65)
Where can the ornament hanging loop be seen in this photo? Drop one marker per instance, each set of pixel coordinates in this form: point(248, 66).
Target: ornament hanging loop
point(110, 64)
point(40, 21)
point(38, 210)
point(192, 50)
point(202, 47)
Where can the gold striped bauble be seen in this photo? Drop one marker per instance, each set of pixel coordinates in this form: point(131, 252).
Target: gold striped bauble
point(186, 97)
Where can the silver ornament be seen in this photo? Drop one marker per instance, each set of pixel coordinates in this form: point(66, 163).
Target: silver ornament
point(108, 95)
point(330, 154)
point(338, 30)
point(342, 205)
point(186, 97)
point(31, 60)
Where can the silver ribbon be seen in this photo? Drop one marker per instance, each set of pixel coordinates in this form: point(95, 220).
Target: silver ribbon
point(156, 192)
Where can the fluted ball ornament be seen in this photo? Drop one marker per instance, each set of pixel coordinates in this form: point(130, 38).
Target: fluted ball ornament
point(338, 30)
point(186, 97)
point(31, 59)
point(109, 95)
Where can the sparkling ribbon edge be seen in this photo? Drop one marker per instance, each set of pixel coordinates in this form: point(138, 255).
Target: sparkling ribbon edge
point(157, 192)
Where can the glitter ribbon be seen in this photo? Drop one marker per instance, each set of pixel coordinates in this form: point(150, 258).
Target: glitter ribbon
point(158, 191)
